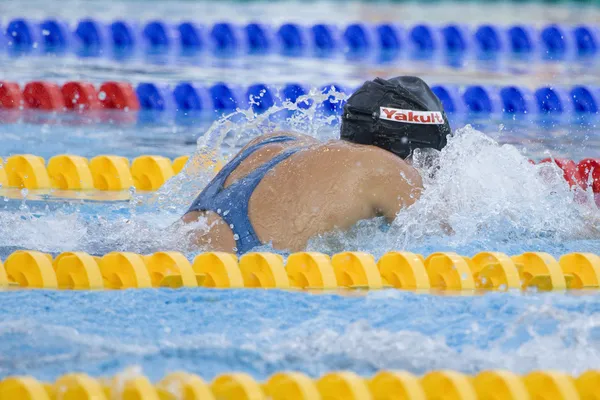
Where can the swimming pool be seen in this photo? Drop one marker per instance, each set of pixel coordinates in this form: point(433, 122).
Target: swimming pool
point(494, 199)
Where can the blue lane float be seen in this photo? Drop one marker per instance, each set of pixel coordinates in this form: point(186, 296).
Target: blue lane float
point(159, 37)
point(192, 37)
point(424, 40)
point(586, 100)
point(293, 39)
point(124, 37)
point(489, 40)
point(587, 40)
point(155, 97)
point(449, 96)
point(91, 37)
point(226, 38)
point(192, 98)
point(522, 40)
point(359, 39)
point(551, 100)
point(325, 38)
point(260, 38)
point(23, 36)
point(226, 98)
point(482, 99)
point(390, 38)
point(556, 42)
point(456, 38)
point(516, 100)
point(56, 36)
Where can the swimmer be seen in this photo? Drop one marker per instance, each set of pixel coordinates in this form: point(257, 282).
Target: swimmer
point(285, 188)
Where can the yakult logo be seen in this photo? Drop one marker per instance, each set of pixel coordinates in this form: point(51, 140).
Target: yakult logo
point(411, 117)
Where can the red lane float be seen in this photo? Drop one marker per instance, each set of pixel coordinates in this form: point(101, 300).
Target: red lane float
point(10, 95)
point(587, 167)
point(118, 96)
point(43, 96)
point(569, 168)
point(80, 96)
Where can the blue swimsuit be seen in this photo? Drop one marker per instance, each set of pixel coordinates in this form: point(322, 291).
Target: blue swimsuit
point(231, 202)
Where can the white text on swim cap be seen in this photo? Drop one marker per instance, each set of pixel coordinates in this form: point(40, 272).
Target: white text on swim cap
point(411, 117)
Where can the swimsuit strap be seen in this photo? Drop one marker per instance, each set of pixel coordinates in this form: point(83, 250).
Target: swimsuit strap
point(231, 203)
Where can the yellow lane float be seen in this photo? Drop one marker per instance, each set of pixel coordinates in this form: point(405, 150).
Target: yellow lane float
point(78, 386)
point(290, 386)
point(23, 388)
point(448, 385)
point(584, 269)
point(449, 271)
point(588, 385)
point(221, 270)
point(171, 269)
point(500, 385)
point(31, 269)
point(68, 172)
point(133, 388)
point(77, 270)
point(179, 163)
point(310, 270)
point(356, 270)
point(264, 270)
point(495, 271)
point(302, 271)
point(3, 176)
point(396, 385)
point(123, 270)
point(540, 270)
point(404, 270)
point(27, 171)
point(151, 172)
point(3, 277)
point(181, 385)
point(111, 173)
point(343, 385)
point(236, 386)
point(103, 172)
point(550, 385)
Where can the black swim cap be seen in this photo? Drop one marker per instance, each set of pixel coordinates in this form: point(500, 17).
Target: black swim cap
point(398, 115)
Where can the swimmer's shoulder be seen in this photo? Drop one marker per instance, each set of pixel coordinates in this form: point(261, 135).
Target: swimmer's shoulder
point(372, 162)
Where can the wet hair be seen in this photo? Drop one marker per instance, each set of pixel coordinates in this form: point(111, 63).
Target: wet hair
point(399, 115)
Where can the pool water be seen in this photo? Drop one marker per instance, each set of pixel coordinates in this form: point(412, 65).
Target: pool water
point(486, 190)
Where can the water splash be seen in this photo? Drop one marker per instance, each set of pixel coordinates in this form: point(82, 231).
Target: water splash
point(485, 194)
point(478, 191)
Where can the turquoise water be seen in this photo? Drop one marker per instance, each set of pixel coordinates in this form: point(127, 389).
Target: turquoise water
point(486, 191)
point(262, 332)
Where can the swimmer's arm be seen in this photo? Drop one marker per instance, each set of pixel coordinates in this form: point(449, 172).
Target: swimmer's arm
point(393, 187)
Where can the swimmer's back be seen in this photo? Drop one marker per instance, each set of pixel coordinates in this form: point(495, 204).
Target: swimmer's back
point(321, 187)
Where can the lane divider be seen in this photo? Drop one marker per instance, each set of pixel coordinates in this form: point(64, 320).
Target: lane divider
point(103, 172)
point(120, 38)
point(335, 385)
point(444, 271)
point(150, 172)
point(186, 97)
